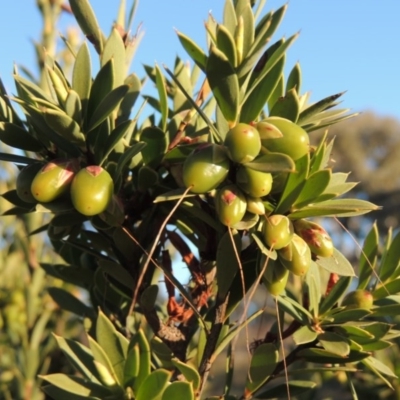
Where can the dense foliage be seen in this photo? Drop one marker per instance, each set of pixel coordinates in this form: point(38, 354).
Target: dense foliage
point(224, 173)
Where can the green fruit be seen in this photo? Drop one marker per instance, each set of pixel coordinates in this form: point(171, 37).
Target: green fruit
point(275, 277)
point(278, 231)
point(359, 299)
point(255, 206)
point(91, 190)
point(243, 143)
point(230, 204)
point(52, 180)
point(24, 182)
point(294, 142)
point(315, 236)
point(296, 256)
point(252, 182)
point(205, 168)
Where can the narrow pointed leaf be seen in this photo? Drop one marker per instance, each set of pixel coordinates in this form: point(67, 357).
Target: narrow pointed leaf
point(287, 106)
point(334, 343)
point(335, 294)
point(19, 138)
point(391, 261)
point(64, 125)
point(368, 257)
point(296, 388)
point(226, 43)
point(294, 79)
point(194, 51)
point(162, 95)
point(337, 264)
point(82, 74)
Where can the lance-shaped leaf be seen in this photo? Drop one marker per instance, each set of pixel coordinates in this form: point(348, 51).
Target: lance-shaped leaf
point(126, 158)
point(162, 95)
point(262, 365)
point(323, 356)
point(391, 260)
point(341, 207)
point(224, 83)
point(287, 106)
point(295, 388)
point(19, 138)
point(368, 257)
point(258, 99)
point(156, 145)
point(194, 51)
point(87, 21)
point(227, 262)
point(82, 75)
point(76, 386)
point(64, 125)
point(337, 264)
point(272, 162)
point(17, 159)
point(294, 79)
point(226, 43)
point(73, 106)
point(107, 106)
point(335, 343)
point(335, 294)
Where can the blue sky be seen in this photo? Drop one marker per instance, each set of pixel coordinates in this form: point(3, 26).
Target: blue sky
point(343, 45)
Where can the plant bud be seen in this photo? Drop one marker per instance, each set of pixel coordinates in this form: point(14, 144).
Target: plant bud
point(230, 204)
point(205, 168)
point(295, 141)
point(243, 143)
point(315, 236)
point(278, 231)
point(91, 190)
point(252, 182)
point(296, 256)
point(255, 206)
point(359, 299)
point(24, 182)
point(52, 180)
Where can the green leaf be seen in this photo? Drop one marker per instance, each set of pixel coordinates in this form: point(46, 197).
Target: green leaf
point(79, 276)
point(194, 51)
point(293, 308)
point(313, 281)
point(322, 356)
point(337, 264)
point(130, 98)
point(82, 75)
point(387, 289)
point(287, 106)
point(368, 257)
point(224, 83)
point(108, 339)
point(153, 386)
point(315, 185)
point(131, 366)
point(226, 43)
point(56, 393)
point(76, 385)
point(338, 290)
point(70, 303)
point(294, 185)
point(65, 126)
point(272, 162)
point(149, 297)
point(118, 272)
point(102, 85)
point(280, 391)
point(314, 109)
point(337, 207)
point(114, 48)
point(162, 95)
point(110, 102)
point(377, 365)
point(262, 365)
point(87, 21)
point(304, 335)
point(178, 390)
point(190, 373)
point(126, 158)
point(258, 99)
point(16, 158)
point(390, 262)
point(294, 79)
point(348, 315)
point(12, 197)
point(334, 343)
point(156, 145)
point(144, 359)
point(73, 106)
point(19, 138)
point(227, 263)
point(386, 311)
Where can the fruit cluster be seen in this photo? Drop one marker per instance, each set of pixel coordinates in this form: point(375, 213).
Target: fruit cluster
point(297, 244)
point(241, 187)
point(91, 188)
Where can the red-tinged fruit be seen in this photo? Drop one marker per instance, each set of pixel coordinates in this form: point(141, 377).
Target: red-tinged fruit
point(53, 180)
point(359, 299)
point(296, 256)
point(230, 204)
point(243, 143)
point(278, 231)
point(205, 168)
point(92, 190)
point(24, 182)
point(315, 236)
point(294, 142)
point(254, 183)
